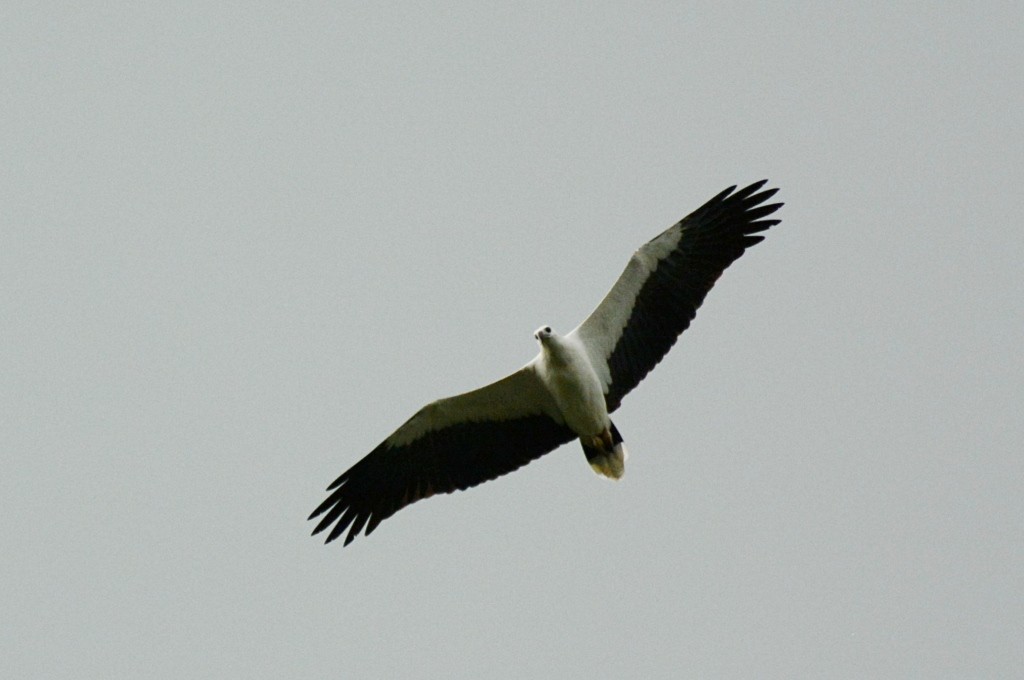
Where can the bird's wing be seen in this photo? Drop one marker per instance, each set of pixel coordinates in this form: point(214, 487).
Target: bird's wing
point(665, 282)
point(450, 444)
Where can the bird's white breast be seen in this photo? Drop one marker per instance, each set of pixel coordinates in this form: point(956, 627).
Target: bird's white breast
point(570, 378)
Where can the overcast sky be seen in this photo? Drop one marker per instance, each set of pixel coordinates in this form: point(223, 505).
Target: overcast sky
point(240, 244)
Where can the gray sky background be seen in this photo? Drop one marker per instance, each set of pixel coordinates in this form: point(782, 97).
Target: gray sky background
point(241, 244)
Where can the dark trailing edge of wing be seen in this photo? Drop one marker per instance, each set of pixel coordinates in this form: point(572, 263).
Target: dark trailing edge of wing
point(713, 237)
point(454, 458)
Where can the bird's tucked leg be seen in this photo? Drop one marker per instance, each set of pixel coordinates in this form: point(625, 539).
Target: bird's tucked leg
point(606, 453)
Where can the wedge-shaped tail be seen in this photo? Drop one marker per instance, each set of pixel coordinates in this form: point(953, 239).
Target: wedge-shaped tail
point(606, 453)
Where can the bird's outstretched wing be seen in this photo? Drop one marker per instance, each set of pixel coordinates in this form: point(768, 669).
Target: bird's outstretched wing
point(450, 444)
point(664, 283)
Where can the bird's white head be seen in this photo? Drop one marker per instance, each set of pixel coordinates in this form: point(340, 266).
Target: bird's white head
point(542, 334)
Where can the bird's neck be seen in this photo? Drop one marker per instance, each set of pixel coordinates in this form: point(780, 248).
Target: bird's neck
point(555, 351)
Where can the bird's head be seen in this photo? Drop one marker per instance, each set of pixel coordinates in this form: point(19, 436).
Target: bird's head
point(542, 334)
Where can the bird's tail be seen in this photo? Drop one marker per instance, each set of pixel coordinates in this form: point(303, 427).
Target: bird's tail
point(606, 453)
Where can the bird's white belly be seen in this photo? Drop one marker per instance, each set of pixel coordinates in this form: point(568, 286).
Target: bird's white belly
point(577, 392)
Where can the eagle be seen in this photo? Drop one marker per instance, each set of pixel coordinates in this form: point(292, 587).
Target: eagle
point(569, 390)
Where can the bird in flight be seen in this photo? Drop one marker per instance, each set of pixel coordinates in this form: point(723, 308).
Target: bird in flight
point(569, 389)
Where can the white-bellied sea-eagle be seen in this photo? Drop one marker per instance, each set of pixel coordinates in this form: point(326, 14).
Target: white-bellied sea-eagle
point(568, 390)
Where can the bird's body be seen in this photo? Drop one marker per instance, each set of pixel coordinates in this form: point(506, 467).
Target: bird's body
point(565, 369)
point(566, 372)
point(568, 390)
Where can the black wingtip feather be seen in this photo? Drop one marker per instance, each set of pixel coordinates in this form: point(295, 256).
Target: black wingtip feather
point(712, 237)
point(442, 461)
